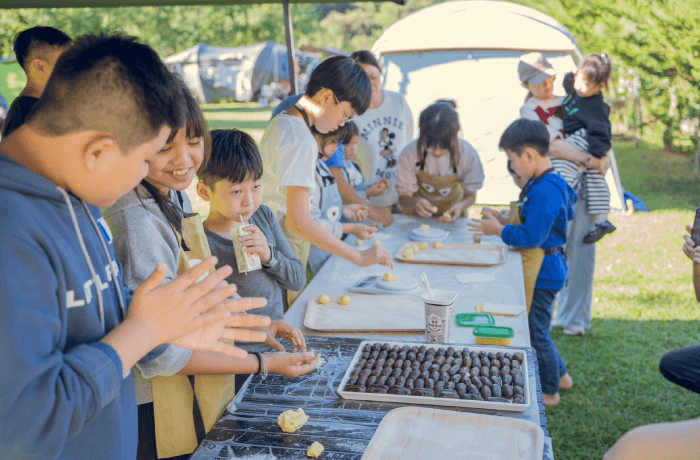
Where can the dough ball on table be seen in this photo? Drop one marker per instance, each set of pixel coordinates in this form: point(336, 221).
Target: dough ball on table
point(323, 299)
point(424, 228)
point(390, 276)
point(315, 450)
point(438, 245)
point(409, 256)
point(345, 300)
point(424, 245)
point(290, 421)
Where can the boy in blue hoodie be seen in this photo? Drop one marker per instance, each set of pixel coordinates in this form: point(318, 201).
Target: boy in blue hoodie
point(66, 342)
point(546, 205)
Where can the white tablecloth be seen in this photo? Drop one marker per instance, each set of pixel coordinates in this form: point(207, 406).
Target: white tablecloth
point(507, 286)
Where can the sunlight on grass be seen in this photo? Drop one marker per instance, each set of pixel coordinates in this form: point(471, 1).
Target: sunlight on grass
point(643, 306)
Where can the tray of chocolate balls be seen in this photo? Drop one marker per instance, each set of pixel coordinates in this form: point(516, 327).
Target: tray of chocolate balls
point(480, 377)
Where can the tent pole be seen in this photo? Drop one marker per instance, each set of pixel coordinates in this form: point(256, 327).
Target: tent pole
point(290, 46)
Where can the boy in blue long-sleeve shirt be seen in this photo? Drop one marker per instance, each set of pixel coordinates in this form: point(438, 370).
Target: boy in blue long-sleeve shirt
point(546, 205)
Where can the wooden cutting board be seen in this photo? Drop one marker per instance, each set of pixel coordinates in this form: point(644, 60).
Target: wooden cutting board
point(417, 433)
point(471, 254)
point(367, 313)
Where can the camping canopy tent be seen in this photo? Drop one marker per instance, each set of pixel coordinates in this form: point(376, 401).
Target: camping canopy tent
point(468, 51)
point(216, 73)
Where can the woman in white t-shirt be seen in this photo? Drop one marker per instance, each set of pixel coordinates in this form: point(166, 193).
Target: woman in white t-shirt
point(385, 129)
point(337, 90)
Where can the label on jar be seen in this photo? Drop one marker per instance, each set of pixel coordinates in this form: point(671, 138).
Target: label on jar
point(437, 323)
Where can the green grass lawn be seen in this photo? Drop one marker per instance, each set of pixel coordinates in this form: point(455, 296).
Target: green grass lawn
point(643, 305)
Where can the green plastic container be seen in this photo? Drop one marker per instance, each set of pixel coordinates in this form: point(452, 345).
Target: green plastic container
point(493, 335)
point(474, 319)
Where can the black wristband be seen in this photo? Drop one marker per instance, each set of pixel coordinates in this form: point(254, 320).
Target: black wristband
point(257, 355)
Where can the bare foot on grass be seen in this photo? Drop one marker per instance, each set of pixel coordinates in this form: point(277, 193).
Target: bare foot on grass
point(550, 400)
point(566, 382)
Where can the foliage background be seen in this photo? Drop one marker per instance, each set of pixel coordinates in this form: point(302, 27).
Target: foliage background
point(656, 40)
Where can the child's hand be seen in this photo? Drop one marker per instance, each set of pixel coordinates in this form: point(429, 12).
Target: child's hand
point(378, 188)
point(207, 338)
point(488, 225)
point(424, 208)
point(502, 217)
point(376, 255)
point(601, 164)
point(177, 308)
point(452, 213)
point(689, 249)
point(382, 216)
point(256, 243)
point(363, 232)
point(355, 212)
point(283, 330)
point(292, 365)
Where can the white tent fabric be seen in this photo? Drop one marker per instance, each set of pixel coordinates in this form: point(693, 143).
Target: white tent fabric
point(468, 51)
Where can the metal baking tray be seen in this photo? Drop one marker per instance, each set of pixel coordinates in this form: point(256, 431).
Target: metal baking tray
point(434, 401)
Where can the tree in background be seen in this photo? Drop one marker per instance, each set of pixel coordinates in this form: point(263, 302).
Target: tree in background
point(659, 39)
point(168, 29)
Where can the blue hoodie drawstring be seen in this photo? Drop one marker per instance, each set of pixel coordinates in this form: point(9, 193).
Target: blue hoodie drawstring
point(95, 278)
point(111, 268)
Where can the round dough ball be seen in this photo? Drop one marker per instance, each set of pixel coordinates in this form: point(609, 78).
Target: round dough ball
point(323, 299)
point(344, 300)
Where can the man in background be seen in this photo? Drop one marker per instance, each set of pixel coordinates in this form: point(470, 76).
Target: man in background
point(37, 50)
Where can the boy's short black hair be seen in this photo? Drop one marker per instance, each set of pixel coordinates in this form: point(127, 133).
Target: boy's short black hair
point(112, 84)
point(348, 81)
point(523, 133)
point(37, 39)
point(234, 157)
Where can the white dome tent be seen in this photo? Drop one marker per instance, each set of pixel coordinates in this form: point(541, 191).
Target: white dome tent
point(468, 51)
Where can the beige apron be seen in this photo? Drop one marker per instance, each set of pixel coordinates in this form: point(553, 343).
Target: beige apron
point(442, 191)
point(173, 397)
point(532, 258)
